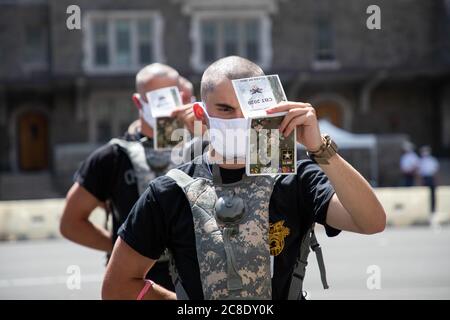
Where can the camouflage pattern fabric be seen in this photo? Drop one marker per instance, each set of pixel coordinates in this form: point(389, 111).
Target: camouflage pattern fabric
point(250, 244)
point(148, 164)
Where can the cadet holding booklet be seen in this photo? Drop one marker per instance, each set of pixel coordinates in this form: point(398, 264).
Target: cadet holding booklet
point(115, 174)
point(231, 235)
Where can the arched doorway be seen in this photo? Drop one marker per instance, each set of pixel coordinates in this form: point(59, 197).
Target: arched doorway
point(330, 111)
point(32, 129)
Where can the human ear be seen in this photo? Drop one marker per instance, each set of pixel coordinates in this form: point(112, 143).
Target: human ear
point(137, 101)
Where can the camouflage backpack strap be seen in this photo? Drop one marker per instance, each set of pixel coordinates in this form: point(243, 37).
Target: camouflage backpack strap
point(298, 275)
point(136, 154)
point(182, 180)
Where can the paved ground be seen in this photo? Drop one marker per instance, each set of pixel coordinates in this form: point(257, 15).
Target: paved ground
point(413, 263)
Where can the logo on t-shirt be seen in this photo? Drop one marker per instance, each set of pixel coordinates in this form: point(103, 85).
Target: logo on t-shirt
point(277, 233)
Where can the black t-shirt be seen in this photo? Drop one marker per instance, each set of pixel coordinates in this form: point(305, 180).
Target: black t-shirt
point(109, 176)
point(163, 218)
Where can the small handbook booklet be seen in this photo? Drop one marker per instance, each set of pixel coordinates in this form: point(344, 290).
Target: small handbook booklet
point(269, 152)
point(162, 103)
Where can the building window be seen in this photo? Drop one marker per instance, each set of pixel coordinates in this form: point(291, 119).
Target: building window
point(122, 41)
point(35, 53)
point(325, 51)
point(216, 35)
point(100, 43)
point(110, 114)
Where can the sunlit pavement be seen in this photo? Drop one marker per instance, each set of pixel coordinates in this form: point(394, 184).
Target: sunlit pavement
point(413, 263)
point(404, 263)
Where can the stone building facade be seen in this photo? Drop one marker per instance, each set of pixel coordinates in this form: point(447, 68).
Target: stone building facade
point(63, 92)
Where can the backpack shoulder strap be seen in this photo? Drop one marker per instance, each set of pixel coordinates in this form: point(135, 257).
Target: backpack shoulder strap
point(181, 178)
point(121, 142)
point(315, 246)
point(298, 275)
point(136, 154)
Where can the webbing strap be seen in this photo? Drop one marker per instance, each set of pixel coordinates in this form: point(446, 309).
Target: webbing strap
point(298, 275)
point(315, 246)
point(182, 179)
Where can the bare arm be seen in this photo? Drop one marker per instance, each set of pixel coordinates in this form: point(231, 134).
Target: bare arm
point(355, 206)
point(75, 224)
point(125, 273)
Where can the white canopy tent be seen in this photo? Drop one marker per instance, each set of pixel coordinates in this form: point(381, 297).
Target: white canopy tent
point(348, 140)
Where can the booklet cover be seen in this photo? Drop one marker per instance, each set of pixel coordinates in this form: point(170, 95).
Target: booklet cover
point(162, 102)
point(257, 94)
point(268, 152)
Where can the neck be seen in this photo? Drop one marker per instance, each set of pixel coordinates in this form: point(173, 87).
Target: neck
point(217, 158)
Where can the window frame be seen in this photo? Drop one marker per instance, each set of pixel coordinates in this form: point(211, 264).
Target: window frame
point(265, 40)
point(109, 101)
point(157, 29)
point(40, 61)
point(324, 64)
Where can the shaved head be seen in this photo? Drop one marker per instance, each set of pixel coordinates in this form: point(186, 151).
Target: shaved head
point(228, 68)
point(154, 72)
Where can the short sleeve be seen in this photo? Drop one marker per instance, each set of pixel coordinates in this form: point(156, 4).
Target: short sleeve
point(317, 193)
point(145, 229)
point(97, 171)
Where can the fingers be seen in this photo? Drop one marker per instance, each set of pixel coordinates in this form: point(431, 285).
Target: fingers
point(287, 105)
point(296, 121)
point(186, 116)
point(290, 115)
point(181, 109)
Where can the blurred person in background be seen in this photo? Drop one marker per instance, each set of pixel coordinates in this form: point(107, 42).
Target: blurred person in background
point(409, 163)
point(109, 178)
point(428, 168)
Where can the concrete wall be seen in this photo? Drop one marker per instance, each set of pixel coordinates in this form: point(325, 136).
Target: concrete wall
point(37, 219)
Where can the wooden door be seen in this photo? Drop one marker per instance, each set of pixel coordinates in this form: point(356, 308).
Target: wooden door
point(331, 111)
point(33, 141)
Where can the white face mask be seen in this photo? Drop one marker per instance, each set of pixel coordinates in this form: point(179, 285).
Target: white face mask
point(146, 113)
point(228, 136)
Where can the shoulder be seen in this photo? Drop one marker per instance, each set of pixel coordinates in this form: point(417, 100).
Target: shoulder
point(103, 159)
point(164, 185)
point(101, 156)
point(307, 168)
point(109, 150)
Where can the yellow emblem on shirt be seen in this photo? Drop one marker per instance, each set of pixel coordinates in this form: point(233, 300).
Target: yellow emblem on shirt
point(277, 233)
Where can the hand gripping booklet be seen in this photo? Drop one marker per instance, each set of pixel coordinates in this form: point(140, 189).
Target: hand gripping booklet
point(268, 152)
point(162, 103)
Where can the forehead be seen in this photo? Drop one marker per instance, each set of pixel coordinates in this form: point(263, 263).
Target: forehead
point(157, 83)
point(222, 92)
